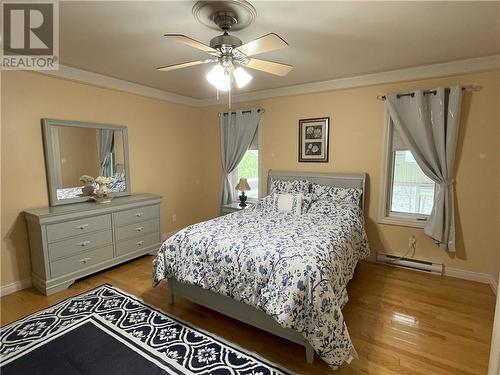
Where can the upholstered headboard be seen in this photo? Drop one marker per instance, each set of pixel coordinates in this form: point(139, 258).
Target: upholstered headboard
point(346, 180)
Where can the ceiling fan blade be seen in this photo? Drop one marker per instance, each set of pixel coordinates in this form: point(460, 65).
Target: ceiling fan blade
point(270, 67)
point(190, 42)
point(183, 65)
point(269, 42)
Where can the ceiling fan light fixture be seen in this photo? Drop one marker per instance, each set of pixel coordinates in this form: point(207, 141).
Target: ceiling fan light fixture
point(219, 77)
point(241, 77)
point(231, 56)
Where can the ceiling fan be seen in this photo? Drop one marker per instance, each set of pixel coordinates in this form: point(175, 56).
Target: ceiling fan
point(226, 51)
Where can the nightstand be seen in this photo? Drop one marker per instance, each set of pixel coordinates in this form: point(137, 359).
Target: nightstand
point(233, 207)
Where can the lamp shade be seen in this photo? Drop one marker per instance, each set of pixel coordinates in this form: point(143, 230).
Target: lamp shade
point(241, 77)
point(243, 185)
point(219, 78)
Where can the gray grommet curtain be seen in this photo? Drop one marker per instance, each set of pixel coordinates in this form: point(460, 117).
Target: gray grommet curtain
point(428, 126)
point(105, 145)
point(237, 130)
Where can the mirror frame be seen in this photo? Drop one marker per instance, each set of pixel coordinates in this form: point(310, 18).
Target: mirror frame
point(51, 167)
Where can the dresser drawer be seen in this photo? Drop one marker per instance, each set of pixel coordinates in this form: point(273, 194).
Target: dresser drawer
point(137, 229)
point(138, 243)
point(79, 243)
point(136, 215)
point(56, 232)
point(80, 261)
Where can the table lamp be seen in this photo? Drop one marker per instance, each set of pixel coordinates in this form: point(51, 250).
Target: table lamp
point(243, 186)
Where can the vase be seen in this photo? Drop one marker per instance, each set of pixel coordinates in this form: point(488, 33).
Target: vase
point(102, 194)
point(88, 189)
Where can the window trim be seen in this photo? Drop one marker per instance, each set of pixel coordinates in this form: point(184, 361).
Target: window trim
point(252, 199)
point(384, 214)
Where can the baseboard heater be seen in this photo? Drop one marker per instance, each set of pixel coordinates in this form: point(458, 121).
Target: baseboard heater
point(415, 264)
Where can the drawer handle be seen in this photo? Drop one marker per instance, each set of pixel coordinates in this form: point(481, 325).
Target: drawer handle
point(85, 260)
point(139, 243)
point(139, 229)
point(138, 214)
point(82, 227)
point(83, 243)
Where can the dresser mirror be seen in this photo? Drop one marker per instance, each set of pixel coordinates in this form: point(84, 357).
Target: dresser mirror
point(76, 149)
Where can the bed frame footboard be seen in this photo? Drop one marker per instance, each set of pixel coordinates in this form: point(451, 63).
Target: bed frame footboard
point(236, 310)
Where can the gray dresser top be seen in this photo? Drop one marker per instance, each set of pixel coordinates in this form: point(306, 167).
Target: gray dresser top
point(92, 208)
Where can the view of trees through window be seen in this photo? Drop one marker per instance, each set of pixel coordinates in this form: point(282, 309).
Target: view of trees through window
point(412, 190)
point(249, 169)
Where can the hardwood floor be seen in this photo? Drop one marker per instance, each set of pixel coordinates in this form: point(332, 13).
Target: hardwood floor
point(401, 321)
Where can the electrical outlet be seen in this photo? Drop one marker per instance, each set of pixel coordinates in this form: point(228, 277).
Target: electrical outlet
point(412, 243)
point(174, 218)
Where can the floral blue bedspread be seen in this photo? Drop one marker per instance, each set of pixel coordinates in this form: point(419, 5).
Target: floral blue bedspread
point(293, 267)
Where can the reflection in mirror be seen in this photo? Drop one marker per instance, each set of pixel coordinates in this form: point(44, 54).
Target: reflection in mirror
point(86, 151)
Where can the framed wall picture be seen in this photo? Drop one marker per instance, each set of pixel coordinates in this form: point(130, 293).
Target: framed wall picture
point(313, 139)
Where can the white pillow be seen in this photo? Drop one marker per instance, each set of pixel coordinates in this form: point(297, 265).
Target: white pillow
point(290, 203)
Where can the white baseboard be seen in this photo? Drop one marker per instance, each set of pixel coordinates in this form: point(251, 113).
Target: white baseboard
point(26, 283)
point(480, 277)
point(494, 285)
point(484, 278)
point(473, 276)
point(14, 287)
point(372, 258)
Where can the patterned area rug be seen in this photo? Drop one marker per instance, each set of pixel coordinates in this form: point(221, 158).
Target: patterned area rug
point(107, 331)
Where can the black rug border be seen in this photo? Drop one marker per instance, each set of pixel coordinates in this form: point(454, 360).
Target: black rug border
point(231, 345)
point(7, 326)
point(106, 328)
point(206, 333)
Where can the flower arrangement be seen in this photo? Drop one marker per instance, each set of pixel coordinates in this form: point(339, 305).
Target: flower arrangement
point(97, 188)
point(102, 192)
point(88, 185)
point(87, 179)
point(101, 180)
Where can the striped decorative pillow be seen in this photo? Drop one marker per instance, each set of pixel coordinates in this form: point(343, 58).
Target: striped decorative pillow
point(289, 203)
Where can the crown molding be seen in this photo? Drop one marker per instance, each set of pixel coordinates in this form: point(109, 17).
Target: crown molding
point(407, 74)
point(80, 75)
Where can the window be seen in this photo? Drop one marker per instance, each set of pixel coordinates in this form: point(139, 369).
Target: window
point(249, 169)
point(412, 192)
point(407, 194)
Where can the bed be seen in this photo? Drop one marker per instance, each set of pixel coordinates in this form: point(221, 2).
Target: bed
point(286, 274)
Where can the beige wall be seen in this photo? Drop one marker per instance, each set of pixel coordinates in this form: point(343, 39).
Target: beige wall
point(356, 134)
point(175, 149)
point(119, 151)
point(78, 154)
point(162, 137)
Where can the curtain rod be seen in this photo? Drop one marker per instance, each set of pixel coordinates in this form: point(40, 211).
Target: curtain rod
point(433, 92)
point(248, 111)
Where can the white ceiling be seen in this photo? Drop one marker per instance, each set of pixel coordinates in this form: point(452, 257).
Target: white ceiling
point(327, 40)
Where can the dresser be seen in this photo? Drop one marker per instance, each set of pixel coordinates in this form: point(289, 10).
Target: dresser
point(72, 241)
